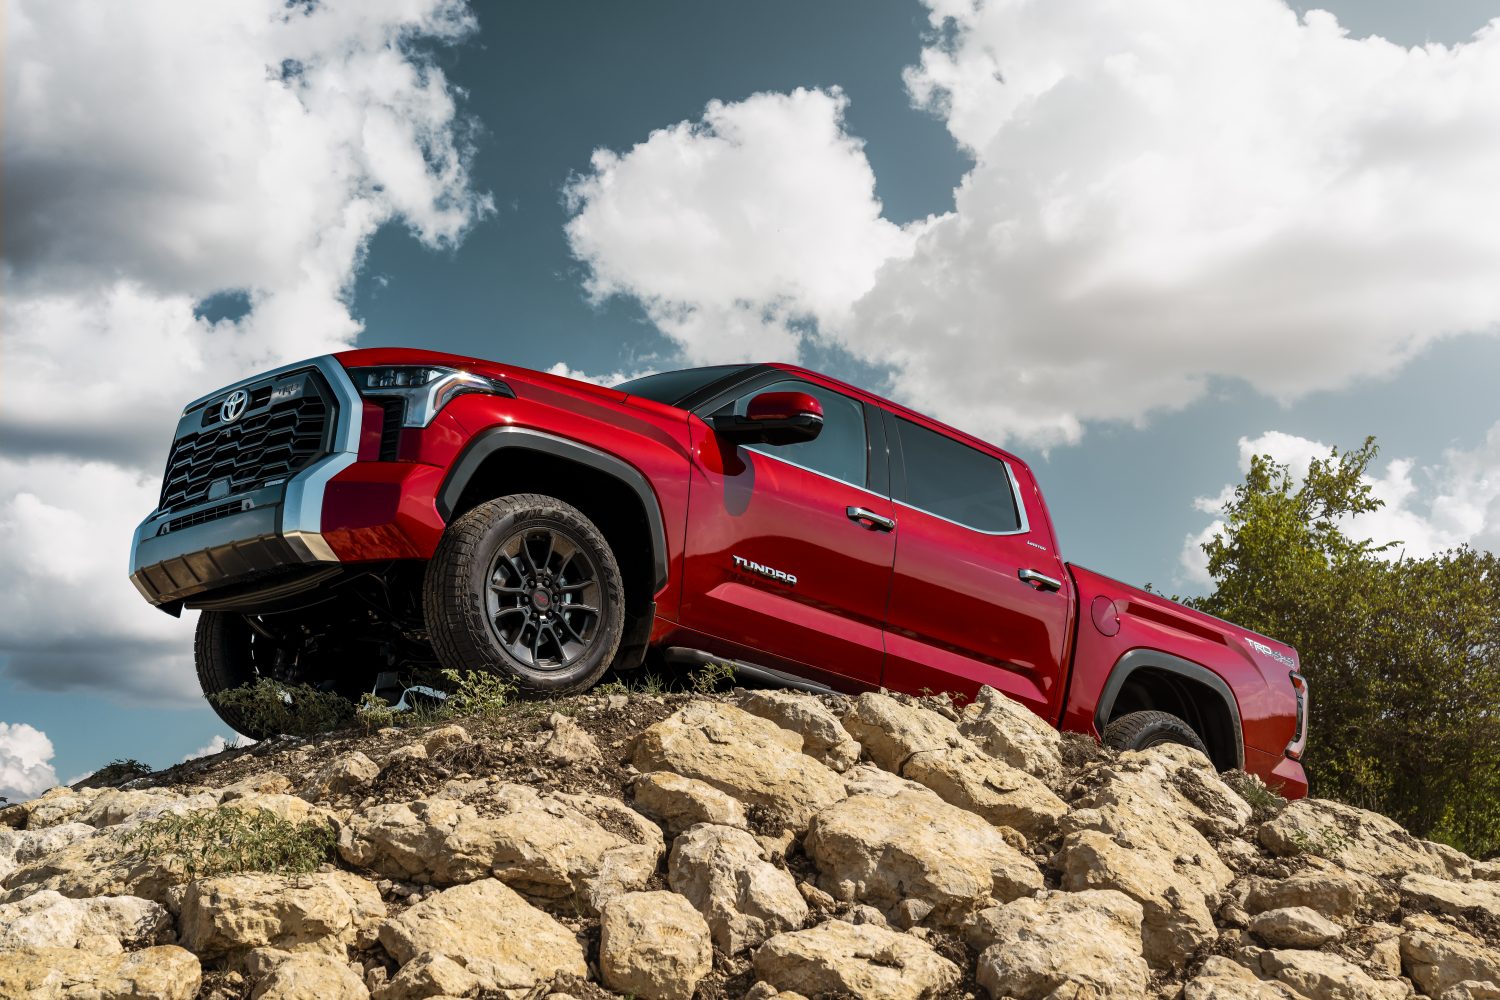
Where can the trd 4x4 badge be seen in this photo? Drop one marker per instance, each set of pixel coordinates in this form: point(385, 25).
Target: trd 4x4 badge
point(766, 571)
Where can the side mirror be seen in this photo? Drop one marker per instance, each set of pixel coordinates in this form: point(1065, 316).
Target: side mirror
point(773, 418)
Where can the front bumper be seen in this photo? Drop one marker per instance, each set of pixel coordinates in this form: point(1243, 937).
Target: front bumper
point(235, 540)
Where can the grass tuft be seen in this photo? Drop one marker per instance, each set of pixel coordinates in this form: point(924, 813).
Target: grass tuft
point(232, 841)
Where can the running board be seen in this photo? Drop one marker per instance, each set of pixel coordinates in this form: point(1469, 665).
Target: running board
point(698, 658)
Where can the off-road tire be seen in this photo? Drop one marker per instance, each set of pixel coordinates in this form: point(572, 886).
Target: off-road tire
point(221, 652)
point(1140, 730)
point(455, 592)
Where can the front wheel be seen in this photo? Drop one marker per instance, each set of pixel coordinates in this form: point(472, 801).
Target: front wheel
point(526, 586)
point(1140, 730)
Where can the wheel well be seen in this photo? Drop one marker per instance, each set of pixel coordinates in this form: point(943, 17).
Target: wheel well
point(1197, 704)
point(612, 505)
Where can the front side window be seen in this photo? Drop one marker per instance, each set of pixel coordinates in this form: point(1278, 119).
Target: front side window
point(948, 478)
point(839, 450)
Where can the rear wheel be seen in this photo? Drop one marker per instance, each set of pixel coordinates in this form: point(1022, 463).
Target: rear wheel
point(1140, 730)
point(233, 650)
point(527, 587)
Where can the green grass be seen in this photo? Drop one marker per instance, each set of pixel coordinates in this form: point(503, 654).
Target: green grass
point(1263, 801)
point(231, 841)
point(294, 709)
point(1325, 843)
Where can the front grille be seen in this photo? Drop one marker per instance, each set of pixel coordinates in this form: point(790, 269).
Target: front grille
point(205, 515)
point(285, 426)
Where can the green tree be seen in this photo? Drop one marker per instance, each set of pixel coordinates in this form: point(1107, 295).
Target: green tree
point(1402, 655)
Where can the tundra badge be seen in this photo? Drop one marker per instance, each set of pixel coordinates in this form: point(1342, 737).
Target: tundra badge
point(766, 571)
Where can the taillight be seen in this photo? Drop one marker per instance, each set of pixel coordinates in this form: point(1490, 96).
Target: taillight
point(1299, 737)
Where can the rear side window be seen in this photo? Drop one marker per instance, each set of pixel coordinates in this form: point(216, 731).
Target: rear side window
point(948, 478)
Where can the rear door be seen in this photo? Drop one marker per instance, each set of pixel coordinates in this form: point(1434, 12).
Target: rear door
point(779, 561)
point(972, 598)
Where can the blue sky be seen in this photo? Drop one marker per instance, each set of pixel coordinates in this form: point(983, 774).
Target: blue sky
point(196, 268)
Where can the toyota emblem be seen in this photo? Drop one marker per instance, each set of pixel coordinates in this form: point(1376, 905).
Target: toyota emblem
point(233, 405)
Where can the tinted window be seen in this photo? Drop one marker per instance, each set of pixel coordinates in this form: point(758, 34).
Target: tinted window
point(952, 480)
point(840, 448)
point(673, 387)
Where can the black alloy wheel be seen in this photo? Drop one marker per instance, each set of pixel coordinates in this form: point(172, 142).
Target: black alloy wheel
point(543, 599)
point(526, 586)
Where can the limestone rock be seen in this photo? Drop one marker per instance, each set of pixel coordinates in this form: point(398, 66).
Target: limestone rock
point(1138, 825)
point(653, 945)
point(882, 849)
point(324, 911)
point(446, 739)
point(1358, 840)
point(1438, 956)
point(891, 730)
point(1010, 732)
point(1062, 944)
point(265, 783)
point(1326, 888)
point(863, 961)
point(1222, 979)
point(1485, 871)
point(1376, 948)
point(119, 805)
point(106, 864)
point(311, 976)
point(344, 775)
point(1324, 976)
point(1440, 895)
point(1294, 927)
point(165, 972)
point(58, 805)
point(429, 975)
point(1173, 890)
point(21, 847)
point(486, 927)
point(568, 744)
point(106, 924)
point(745, 756)
point(1169, 782)
point(823, 736)
point(867, 779)
point(972, 780)
point(1470, 990)
point(744, 899)
point(549, 846)
point(677, 803)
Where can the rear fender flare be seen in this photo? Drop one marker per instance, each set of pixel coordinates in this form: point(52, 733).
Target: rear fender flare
point(1151, 659)
point(486, 444)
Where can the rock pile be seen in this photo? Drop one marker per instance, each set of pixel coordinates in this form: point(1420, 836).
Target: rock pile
point(764, 845)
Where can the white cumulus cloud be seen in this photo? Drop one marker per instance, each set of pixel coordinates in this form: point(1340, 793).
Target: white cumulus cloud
point(217, 745)
point(1425, 510)
point(158, 154)
point(25, 761)
point(1164, 193)
point(737, 230)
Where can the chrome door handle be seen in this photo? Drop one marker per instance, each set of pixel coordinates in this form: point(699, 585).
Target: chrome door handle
point(1041, 581)
point(870, 519)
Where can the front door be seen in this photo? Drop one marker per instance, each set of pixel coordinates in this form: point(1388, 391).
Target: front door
point(972, 598)
point(780, 561)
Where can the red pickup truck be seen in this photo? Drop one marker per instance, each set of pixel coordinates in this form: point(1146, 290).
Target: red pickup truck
point(364, 514)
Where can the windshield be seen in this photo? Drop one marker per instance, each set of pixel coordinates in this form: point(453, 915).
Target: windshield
point(672, 388)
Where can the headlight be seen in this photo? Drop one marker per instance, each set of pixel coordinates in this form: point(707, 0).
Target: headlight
point(423, 389)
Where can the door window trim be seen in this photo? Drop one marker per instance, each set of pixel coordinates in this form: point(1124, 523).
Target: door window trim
point(898, 480)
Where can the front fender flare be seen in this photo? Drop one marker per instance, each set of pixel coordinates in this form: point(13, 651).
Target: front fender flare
point(494, 440)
